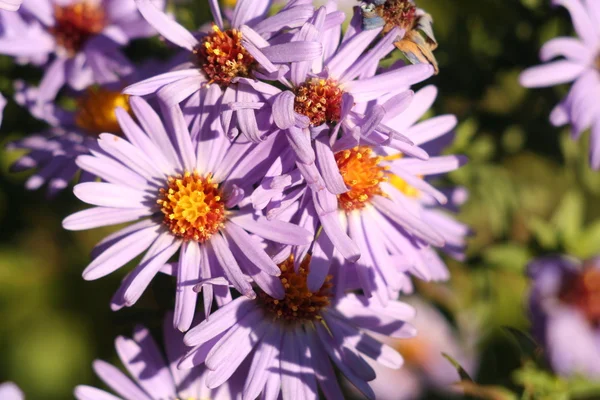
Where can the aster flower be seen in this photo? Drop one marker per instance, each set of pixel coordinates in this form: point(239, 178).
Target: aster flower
point(329, 102)
point(232, 55)
point(579, 63)
point(564, 306)
point(389, 217)
point(72, 133)
point(288, 345)
point(78, 40)
point(190, 192)
point(10, 5)
point(154, 378)
point(10, 391)
point(425, 366)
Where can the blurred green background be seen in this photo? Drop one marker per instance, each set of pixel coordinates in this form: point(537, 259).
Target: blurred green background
point(531, 193)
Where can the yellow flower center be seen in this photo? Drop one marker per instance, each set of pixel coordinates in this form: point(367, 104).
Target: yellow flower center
point(299, 303)
point(363, 175)
point(320, 100)
point(96, 110)
point(76, 23)
point(193, 206)
point(222, 56)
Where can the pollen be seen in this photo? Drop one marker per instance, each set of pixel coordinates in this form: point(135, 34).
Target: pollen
point(76, 23)
point(582, 290)
point(320, 100)
point(193, 206)
point(222, 56)
point(362, 174)
point(401, 13)
point(96, 110)
point(299, 303)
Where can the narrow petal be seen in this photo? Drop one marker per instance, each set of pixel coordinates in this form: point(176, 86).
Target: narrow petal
point(110, 195)
point(275, 230)
point(188, 274)
point(102, 216)
point(118, 382)
point(550, 74)
point(166, 26)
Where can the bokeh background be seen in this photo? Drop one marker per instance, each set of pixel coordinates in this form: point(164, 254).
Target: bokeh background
point(531, 193)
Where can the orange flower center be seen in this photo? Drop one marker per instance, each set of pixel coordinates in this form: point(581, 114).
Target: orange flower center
point(76, 23)
point(320, 100)
point(193, 206)
point(96, 110)
point(362, 174)
point(299, 303)
point(400, 13)
point(582, 290)
point(222, 56)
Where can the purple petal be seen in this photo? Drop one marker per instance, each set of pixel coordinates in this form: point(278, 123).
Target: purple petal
point(110, 195)
point(550, 74)
point(166, 26)
point(100, 216)
point(275, 230)
point(120, 253)
point(230, 266)
point(118, 382)
point(188, 274)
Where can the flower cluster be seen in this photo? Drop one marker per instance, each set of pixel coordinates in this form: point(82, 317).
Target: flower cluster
point(283, 175)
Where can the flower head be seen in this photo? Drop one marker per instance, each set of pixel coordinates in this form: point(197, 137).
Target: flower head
point(189, 190)
point(80, 38)
point(291, 342)
point(564, 307)
point(233, 55)
point(387, 219)
point(578, 63)
point(72, 133)
point(153, 376)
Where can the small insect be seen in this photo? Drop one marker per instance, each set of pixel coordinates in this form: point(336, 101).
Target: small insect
point(418, 42)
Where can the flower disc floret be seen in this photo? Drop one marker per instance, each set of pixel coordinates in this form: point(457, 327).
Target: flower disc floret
point(222, 56)
point(320, 100)
point(193, 206)
point(299, 303)
point(582, 290)
point(76, 23)
point(96, 110)
point(362, 174)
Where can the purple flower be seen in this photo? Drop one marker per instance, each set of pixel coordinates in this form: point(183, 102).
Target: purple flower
point(153, 377)
point(288, 345)
point(425, 367)
point(330, 101)
point(581, 65)
point(190, 191)
point(564, 307)
point(389, 217)
point(79, 41)
point(230, 59)
point(72, 133)
point(10, 5)
point(10, 391)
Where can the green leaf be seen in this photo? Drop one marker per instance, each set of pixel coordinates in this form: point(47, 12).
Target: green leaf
point(568, 217)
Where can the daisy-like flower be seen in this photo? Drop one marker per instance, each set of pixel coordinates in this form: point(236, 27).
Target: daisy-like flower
point(190, 190)
point(72, 133)
point(564, 306)
point(579, 63)
point(10, 391)
point(79, 40)
point(289, 344)
point(330, 101)
point(10, 5)
point(390, 215)
point(230, 57)
point(154, 377)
